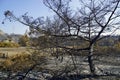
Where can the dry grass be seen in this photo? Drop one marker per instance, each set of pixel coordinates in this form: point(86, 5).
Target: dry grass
point(12, 51)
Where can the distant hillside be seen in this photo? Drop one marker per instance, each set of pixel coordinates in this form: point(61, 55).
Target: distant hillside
point(1, 32)
point(15, 37)
point(5, 36)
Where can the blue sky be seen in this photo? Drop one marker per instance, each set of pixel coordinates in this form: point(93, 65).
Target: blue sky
point(34, 8)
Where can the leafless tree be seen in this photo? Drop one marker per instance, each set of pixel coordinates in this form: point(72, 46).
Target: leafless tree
point(89, 22)
point(92, 19)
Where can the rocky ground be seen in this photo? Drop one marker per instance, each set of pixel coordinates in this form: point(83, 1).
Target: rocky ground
point(107, 68)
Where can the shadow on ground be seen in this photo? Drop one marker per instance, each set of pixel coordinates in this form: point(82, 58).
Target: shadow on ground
point(87, 77)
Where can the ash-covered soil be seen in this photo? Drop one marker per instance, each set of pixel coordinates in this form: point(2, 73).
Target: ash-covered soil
point(73, 68)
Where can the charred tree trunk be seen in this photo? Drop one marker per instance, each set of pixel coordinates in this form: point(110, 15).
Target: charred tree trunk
point(90, 60)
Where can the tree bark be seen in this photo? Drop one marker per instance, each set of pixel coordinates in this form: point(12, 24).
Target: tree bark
point(90, 60)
